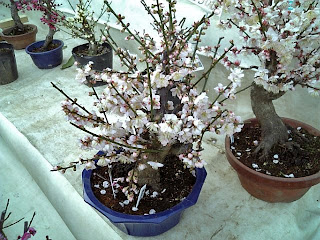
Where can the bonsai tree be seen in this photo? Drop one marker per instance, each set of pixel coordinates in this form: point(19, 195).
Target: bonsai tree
point(82, 25)
point(284, 37)
point(49, 17)
point(161, 111)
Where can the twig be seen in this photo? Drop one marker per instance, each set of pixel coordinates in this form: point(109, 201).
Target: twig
point(112, 141)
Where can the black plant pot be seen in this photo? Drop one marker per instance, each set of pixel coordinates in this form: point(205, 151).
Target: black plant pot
point(8, 65)
point(100, 62)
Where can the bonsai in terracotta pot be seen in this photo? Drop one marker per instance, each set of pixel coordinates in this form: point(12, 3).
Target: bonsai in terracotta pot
point(47, 53)
point(283, 37)
point(148, 125)
point(20, 35)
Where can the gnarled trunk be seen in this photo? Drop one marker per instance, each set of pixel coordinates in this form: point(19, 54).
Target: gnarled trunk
point(150, 176)
point(15, 16)
point(48, 39)
point(273, 129)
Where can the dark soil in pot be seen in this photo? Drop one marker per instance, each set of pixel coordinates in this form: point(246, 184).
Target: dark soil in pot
point(5, 50)
point(50, 47)
point(17, 31)
point(176, 180)
point(85, 51)
point(299, 158)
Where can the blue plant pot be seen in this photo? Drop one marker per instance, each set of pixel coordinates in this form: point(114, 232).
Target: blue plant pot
point(46, 60)
point(144, 225)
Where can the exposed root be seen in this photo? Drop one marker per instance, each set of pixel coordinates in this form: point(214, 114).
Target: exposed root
point(271, 140)
point(267, 143)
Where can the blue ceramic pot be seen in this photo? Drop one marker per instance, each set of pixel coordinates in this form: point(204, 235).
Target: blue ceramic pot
point(46, 60)
point(144, 225)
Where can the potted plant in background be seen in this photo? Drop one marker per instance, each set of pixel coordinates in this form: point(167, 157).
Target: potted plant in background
point(20, 35)
point(277, 159)
point(149, 166)
point(8, 65)
point(83, 25)
point(47, 53)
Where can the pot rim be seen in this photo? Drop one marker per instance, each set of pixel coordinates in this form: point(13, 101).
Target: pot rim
point(6, 45)
point(86, 45)
point(118, 217)
point(34, 28)
point(311, 178)
point(42, 41)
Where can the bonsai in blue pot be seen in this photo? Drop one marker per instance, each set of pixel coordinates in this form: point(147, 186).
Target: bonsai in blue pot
point(48, 53)
point(144, 225)
point(150, 121)
point(46, 59)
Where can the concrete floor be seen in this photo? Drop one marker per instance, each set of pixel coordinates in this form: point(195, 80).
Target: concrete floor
point(224, 209)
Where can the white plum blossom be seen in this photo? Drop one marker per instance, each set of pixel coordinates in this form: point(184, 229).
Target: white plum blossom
point(220, 88)
point(154, 106)
point(284, 37)
point(170, 105)
point(235, 76)
point(159, 79)
point(90, 165)
point(155, 100)
point(103, 161)
point(155, 165)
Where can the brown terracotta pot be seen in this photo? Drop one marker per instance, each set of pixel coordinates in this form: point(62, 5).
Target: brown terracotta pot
point(20, 41)
point(269, 188)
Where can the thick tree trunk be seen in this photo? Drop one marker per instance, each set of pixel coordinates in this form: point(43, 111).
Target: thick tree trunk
point(15, 16)
point(150, 176)
point(273, 129)
point(52, 31)
point(48, 39)
point(93, 49)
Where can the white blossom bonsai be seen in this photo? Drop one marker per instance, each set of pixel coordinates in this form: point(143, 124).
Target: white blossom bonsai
point(160, 111)
point(83, 24)
point(285, 38)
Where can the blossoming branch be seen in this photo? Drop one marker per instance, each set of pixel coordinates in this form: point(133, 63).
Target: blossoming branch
point(159, 111)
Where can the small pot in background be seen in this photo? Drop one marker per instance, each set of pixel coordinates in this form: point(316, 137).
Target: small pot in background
point(8, 65)
point(100, 62)
point(48, 59)
point(20, 41)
